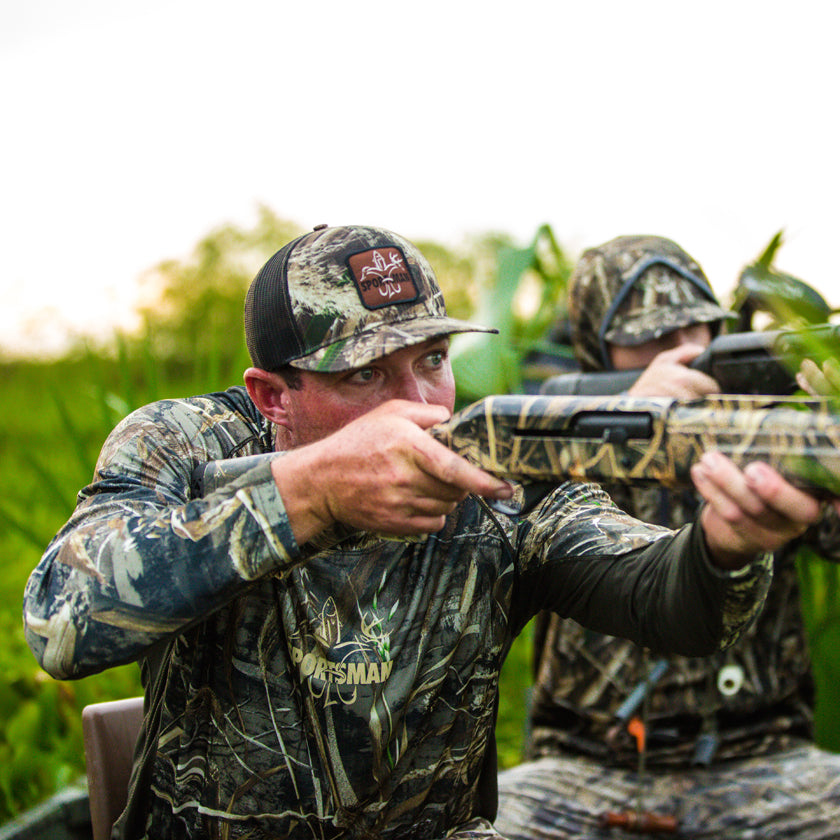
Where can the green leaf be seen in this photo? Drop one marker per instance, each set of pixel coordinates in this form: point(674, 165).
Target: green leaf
point(492, 364)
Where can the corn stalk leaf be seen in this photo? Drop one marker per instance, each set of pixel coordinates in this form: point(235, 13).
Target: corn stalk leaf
point(492, 364)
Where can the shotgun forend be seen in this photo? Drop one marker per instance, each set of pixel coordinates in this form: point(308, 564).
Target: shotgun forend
point(631, 440)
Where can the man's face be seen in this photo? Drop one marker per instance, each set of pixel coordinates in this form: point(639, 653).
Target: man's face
point(325, 402)
point(640, 356)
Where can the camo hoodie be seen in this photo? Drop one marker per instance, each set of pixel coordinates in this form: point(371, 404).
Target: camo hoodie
point(346, 690)
point(751, 700)
point(755, 698)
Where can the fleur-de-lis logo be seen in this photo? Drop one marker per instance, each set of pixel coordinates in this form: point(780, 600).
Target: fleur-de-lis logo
point(382, 277)
point(383, 271)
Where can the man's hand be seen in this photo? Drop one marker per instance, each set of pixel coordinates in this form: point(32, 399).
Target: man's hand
point(668, 376)
point(383, 473)
point(819, 381)
point(749, 512)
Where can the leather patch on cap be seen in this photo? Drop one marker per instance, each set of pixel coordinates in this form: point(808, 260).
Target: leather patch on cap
point(382, 277)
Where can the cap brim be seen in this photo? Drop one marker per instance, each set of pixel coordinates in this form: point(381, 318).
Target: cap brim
point(382, 340)
point(636, 330)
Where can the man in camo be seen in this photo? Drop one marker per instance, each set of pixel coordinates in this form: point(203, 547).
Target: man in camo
point(728, 749)
point(320, 639)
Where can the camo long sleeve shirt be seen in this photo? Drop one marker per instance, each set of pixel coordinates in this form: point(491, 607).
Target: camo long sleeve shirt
point(343, 691)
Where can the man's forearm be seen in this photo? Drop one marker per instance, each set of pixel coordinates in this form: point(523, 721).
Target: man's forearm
point(122, 575)
point(589, 561)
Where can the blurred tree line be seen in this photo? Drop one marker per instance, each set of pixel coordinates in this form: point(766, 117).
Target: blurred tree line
point(194, 309)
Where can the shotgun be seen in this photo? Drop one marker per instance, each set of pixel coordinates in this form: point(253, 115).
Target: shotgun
point(752, 363)
point(542, 439)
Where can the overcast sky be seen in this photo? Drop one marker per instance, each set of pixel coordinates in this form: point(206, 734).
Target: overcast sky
point(130, 130)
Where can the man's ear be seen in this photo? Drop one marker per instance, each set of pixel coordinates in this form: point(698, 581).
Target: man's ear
point(269, 393)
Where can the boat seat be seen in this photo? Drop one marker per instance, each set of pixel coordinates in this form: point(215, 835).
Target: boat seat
point(110, 731)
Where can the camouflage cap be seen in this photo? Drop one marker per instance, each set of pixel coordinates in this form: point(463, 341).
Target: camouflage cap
point(633, 289)
point(339, 298)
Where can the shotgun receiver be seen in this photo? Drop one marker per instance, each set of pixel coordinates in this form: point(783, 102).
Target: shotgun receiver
point(544, 439)
point(760, 362)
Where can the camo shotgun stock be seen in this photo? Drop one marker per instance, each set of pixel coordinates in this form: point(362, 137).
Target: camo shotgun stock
point(546, 439)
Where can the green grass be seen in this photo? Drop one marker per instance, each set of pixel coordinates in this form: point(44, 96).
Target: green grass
point(514, 686)
point(46, 454)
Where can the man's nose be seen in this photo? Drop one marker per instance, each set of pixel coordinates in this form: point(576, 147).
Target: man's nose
point(409, 387)
point(683, 336)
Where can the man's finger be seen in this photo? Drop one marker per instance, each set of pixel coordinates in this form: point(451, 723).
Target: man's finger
point(794, 504)
point(750, 511)
point(452, 469)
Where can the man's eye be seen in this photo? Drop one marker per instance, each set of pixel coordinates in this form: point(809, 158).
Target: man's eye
point(436, 358)
point(363, 375)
